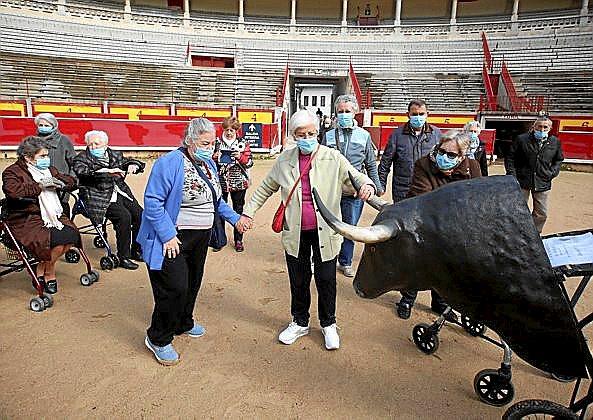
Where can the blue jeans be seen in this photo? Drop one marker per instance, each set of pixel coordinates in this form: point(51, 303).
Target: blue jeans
point(351, 211)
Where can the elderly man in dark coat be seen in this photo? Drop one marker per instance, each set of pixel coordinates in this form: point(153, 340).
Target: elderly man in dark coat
point(101, 173)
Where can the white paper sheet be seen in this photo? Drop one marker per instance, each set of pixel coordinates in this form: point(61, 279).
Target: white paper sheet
point(566, 250)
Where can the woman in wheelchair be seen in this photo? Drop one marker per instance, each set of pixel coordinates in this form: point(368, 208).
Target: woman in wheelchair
point(101, 172)
point(33, 210)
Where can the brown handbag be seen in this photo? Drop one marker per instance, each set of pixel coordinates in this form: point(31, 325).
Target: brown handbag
point(278, 220)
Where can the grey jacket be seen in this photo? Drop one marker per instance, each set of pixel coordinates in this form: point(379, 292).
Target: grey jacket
point(61, 152)
point(356, 146)
point(402, 151)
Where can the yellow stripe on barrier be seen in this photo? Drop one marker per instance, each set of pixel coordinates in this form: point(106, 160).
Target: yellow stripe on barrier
point(255, 117)
point(133, 113)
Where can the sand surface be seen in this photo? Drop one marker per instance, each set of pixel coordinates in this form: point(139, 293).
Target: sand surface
point(85, 357)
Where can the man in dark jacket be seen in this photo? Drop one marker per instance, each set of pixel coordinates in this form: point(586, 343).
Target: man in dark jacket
point(101, 173)
point(406, 145)
point(535, 160)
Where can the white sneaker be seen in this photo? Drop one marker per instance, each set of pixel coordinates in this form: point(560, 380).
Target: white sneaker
point(346, 270)
point(332, 339)
point(292, 333)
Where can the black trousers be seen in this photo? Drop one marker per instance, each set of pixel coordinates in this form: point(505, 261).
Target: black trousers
point(126, 216)
point(175, 287)
point(238, 199)
point(437, 303)
point(299, 273)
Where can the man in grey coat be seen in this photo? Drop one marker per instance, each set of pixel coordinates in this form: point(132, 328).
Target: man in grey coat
point(406, 145)
point(355, 144)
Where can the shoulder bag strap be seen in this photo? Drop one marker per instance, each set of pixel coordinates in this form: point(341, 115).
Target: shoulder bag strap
point(305, 169)
point(204, 177)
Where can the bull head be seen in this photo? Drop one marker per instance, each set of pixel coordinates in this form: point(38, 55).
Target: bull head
point(475, 243)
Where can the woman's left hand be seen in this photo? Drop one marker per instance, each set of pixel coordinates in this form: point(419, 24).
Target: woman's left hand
point(366, 192)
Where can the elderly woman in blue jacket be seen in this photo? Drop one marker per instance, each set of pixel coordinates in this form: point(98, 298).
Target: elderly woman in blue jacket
point(180, 201)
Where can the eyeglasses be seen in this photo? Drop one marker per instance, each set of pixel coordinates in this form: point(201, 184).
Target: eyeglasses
point(304, 136)
point(450, 155)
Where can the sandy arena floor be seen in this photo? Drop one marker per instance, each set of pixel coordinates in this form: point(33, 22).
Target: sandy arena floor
point(85, 357)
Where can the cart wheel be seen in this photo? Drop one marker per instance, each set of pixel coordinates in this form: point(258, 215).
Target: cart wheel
point(426, 340)
point(86, 279)
point(72, 256)
point(48, 301)
point(474, 328)
point(106, 263)
point(115, 260)
point(529, 408)
point(95, 275)
point(98, 242)
point(36, 304)
point(493, 388)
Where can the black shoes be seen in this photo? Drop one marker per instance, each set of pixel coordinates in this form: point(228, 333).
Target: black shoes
point(51, 287)
point(404, 310)
point(128, 264)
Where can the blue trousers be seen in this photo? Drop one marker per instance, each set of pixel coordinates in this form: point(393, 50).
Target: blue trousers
point(351, 211)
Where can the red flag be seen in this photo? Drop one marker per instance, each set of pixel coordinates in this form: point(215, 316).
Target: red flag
point(355, 84)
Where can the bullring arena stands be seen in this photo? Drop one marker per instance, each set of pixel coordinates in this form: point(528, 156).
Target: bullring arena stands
point(257, 55)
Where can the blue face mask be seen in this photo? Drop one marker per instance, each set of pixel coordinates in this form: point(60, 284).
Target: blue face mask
point(346, 120)
point(44, 130)
point(474, 142)
point(445, 163)
point(417, 121)
point(540, 135)
point(203, 154)
point(307, 145)
point(99, 152)
point(42, 163)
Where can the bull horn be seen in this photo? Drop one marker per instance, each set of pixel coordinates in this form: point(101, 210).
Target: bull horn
point(368, 235)
point(375, 201)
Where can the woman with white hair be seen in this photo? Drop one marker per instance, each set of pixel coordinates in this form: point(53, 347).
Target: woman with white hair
point(312, 167)
point(101, 172)
point(182, 200)
point(477, 148)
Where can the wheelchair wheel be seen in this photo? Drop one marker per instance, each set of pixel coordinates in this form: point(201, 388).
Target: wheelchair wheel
point(533, 408)
point(86, 279)
point(493, 388)
point(106, 263)
point(72, 256)
point(425, 339)
point(95, 275)
point(474, 328)
point(37, 305)
point(115, 260)
point(98, 242)
point(48, 301)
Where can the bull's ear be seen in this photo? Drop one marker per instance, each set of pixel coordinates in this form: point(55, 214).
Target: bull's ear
point(367, 235)
point(375, 202)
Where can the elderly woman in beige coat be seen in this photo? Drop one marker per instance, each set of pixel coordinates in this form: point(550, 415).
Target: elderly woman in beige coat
point(325, 171)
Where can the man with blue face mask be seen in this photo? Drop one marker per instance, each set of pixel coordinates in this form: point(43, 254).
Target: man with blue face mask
point(535, 160)
point(408, 143)
point(355, 145)
point(101, 171)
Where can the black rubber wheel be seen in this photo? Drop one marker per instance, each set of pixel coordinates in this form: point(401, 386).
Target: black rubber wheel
point(535, 409)
point(72, 256)
point(474, 328)
point(37, 305)
point(86, 279)
point(48, 301)
point(115, 260)
point(425, 340)
point(95, 275)
point(106, 263)
point(493, 388)
point(98, 242)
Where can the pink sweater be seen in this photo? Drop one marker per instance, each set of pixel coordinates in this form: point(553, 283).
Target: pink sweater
point(308, 218)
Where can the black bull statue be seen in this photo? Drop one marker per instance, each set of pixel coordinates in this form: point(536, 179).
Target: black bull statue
point(475, 243)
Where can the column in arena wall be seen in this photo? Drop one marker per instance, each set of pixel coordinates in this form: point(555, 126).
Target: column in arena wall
point(127, 10)
point(453, 20)
point(398, 13)
point(186, 9)
point(292, 13)
point(344, 12)
point(241, 11)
